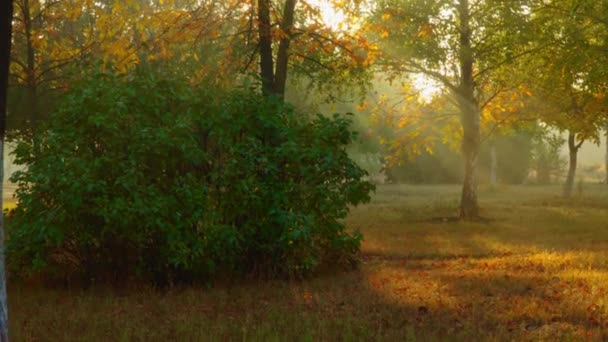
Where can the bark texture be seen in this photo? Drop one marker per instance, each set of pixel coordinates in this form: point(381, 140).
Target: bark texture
point(265, 45)
point(469, 108)
point(283, 52)
point(274, 74)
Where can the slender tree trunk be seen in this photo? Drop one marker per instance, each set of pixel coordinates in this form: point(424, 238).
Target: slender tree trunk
point(283, 52)
point(469, 107)
point(265, 47)
point(274, 80)
point(573, 148)
point(493, 165)
point(6, 18)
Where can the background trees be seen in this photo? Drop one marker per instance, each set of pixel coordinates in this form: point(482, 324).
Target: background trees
point(461, 45)
point(570, 89)
point(515, 47)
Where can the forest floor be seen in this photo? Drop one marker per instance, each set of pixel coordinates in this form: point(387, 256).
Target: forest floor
point(537, 271)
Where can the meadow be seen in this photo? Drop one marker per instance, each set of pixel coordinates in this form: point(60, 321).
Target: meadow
point(537, 269)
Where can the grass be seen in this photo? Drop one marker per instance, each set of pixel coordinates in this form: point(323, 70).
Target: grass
point(537, 271)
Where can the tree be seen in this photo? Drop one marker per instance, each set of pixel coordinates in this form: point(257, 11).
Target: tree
point(273, 79)
point(55, 41)
point(568, 106)
point(547, 164)
point(417, 124)
point(460, 44)
point(6, 19)
point(49, 37)
point(292, 37)
point(571, 90)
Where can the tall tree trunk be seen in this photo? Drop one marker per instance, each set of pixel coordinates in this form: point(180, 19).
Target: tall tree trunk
point(265, 47)
point(573, 148)
point(6, 18)
point(283, 52)
point(274, 80)
point(469, 108)
point(493, 164)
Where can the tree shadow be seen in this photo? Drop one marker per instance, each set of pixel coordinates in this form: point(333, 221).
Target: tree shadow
point(390, 297)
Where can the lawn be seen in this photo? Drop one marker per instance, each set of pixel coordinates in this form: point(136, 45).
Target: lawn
point(537, 270)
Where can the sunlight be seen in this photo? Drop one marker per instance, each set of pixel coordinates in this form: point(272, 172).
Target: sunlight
point(332, 17)
point(428, 87)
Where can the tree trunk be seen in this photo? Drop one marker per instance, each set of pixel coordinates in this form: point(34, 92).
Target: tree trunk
point(283, 52)
point(493, 165)
point(469, 208)
point(469, 108)
point(273, 81)
point(265, 46)
point(573, 148)
point(6, 18)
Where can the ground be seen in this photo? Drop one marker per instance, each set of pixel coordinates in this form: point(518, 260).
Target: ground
point(538, 270)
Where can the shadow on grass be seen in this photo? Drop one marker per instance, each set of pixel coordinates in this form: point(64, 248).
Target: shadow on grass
point(536, 273)
point(393, 298)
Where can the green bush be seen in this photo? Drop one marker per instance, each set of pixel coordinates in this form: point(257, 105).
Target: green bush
point(147, 176)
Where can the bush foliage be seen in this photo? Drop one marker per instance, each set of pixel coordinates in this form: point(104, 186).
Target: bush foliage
point(145, 175)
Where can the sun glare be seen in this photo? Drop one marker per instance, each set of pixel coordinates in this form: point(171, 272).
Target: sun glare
point(330, 15)
point(428, 88)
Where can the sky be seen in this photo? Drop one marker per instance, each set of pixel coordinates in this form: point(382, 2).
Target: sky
point(331, 17)
point(590, 154)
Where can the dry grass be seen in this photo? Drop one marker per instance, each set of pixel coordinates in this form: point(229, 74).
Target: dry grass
point(538, 271)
